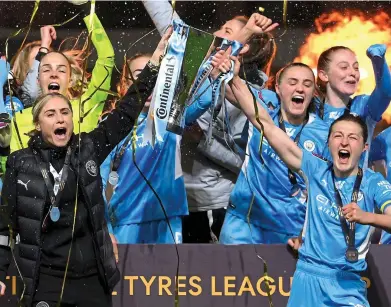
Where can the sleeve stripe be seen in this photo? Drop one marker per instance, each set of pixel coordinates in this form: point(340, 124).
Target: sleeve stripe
point(388, 202)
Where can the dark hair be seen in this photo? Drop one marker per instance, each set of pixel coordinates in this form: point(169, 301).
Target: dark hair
point(323, 64)
point(20, 62)
point(123, 84)
point(350, 117)
point(262, 49)
point(282, 71)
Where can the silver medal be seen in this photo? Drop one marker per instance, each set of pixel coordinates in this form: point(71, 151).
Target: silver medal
point(55, 214)
point(113, 178)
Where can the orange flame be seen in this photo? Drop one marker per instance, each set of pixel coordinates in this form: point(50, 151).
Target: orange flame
point(354, 30)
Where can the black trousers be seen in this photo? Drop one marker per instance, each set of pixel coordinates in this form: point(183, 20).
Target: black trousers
point(78, 292)
point(203, 226)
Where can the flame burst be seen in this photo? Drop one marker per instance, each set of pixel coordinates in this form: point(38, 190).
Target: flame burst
point(354, 30)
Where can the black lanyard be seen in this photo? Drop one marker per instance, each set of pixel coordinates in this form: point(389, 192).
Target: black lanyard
point(349, 232)
point(346, 111)
point(291, 175)
point(54, 199)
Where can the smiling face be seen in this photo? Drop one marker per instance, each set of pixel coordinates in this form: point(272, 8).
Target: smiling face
point(295, 87)
point(346, 144)
point(55, 122)
point(54, 73)
point(342, 73)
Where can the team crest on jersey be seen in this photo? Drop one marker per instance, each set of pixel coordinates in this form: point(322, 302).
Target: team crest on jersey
point(290, 131)
point(92, 168)
point(339, 184)
point(270, 106)
point(309, 145)
point(42, 304)
point(360, 196)
point(334, 115)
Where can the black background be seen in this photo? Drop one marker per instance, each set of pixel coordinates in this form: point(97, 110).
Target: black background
point(126, 21)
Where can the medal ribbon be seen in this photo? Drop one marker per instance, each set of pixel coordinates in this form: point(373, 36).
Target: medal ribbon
point(54, 197)
point(349, 232)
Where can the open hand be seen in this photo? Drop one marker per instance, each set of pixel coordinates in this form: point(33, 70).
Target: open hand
point(161, 47)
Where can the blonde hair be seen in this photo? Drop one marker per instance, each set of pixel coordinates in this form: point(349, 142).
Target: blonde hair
point(77, 85)
point(39, 104)
point(76, 59)
point(20, 62)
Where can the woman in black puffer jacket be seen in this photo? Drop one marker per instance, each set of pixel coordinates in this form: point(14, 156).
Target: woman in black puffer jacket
point(50, 180)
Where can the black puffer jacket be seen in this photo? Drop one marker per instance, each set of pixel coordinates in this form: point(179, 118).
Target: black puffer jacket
point(24, 192)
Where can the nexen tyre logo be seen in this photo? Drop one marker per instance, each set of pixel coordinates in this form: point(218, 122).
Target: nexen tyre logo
point(161, 112)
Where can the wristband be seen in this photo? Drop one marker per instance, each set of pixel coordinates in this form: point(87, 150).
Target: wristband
point(152, 66)
point(47, 49)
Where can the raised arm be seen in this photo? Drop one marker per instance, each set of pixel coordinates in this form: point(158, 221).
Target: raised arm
point(93, 99)
point(287, 150)
point(381, 95)
point(161, 13)
point(256, 24)
point(200, 105)
point(30, 87)
point(120, 121)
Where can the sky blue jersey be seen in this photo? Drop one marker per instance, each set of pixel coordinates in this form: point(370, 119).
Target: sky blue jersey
point(263, 190)
point(323, 239)
point(133, 200)
point(381, 150)
point(369, 107)
point(361, 107)
point(267, 97)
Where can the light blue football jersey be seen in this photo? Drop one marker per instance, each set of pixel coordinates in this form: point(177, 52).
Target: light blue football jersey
point(133, 201)
point(381, 150)
point(263, 190)
point(323, 240)
point(360, 106)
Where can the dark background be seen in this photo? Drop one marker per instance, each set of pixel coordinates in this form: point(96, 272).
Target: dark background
point(126, 21)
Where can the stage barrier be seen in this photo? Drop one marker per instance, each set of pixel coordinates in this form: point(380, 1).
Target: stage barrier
point(217, 275)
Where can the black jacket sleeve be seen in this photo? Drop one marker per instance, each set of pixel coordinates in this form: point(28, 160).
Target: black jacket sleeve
point(120, 121)
point(7, 214)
